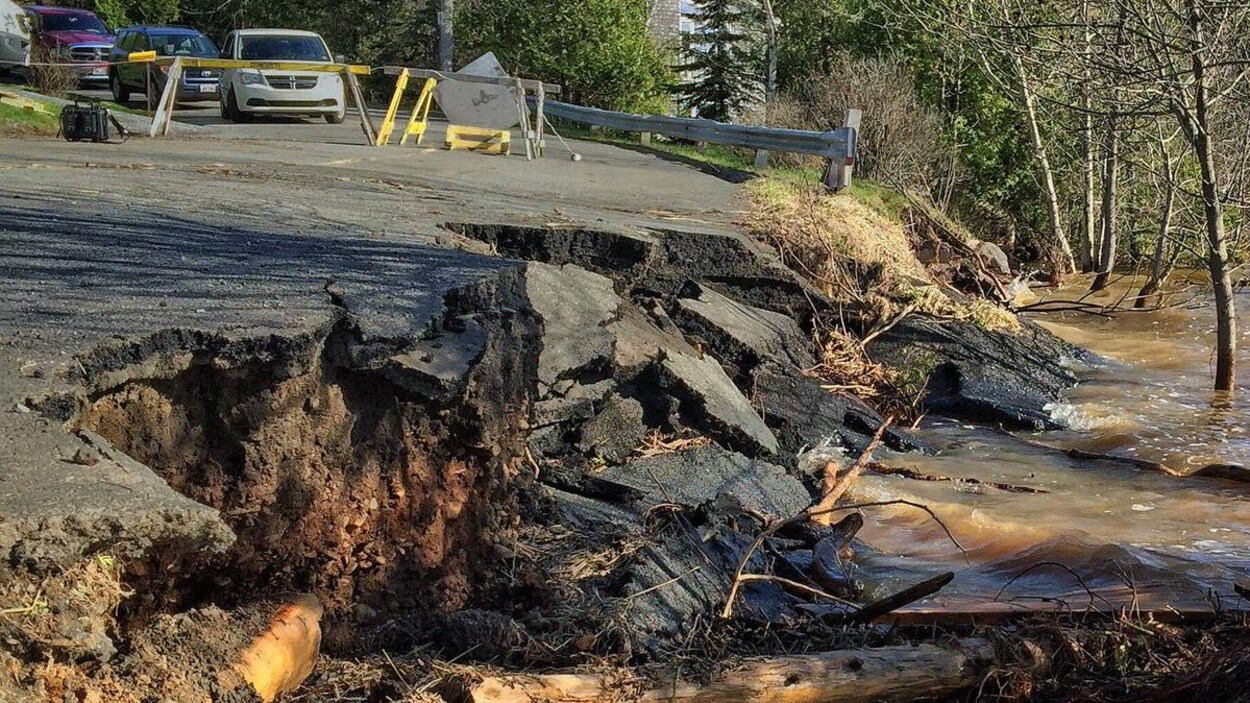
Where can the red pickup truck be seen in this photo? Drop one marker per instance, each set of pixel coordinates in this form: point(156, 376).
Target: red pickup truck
point(74, 36)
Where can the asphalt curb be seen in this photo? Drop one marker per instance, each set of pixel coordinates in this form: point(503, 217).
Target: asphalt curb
point(137, 125)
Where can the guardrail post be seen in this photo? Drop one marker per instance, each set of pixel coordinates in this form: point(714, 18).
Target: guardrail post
point(838, 169)
point(761, 159)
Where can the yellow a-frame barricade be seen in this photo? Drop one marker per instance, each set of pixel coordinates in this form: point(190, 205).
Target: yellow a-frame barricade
point(460, 136)
point(418, 121)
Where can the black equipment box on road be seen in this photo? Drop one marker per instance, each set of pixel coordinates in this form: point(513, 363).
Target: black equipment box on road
point(88, 121)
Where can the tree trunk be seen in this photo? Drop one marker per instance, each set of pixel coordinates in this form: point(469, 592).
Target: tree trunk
point(1212, 209)
point(1090, 243)
point(1089, 237)
point(1067, 262)
point(902, 673)
point(1158, 271)
point(770, 80)
point(1110, 179)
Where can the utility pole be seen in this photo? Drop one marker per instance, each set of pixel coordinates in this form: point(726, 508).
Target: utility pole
point(446, 13)
point(770, 80)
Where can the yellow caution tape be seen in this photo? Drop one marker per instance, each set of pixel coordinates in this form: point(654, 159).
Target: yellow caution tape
point(193, 62)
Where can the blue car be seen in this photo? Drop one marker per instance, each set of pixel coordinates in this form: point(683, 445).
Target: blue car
point(197, 84)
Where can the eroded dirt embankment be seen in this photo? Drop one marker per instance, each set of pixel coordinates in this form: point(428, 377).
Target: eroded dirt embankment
point(335, 480)
point(491, 488)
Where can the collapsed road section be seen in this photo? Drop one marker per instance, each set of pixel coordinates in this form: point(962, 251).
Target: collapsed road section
point(573, 449)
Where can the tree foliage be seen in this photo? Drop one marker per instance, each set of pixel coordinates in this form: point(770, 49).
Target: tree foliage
point(599, 50)
point(725, 60)
point(988, 183)
point(123, 13)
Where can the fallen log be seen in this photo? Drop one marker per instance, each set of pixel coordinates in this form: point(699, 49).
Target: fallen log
point(1224, 472)
point(902, 673)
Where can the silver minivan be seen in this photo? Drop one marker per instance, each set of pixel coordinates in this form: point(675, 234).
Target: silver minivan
point(246, 92)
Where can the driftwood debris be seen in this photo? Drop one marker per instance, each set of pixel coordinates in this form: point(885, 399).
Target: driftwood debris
point(1225, 472)
point(880, 469)
point(282, 656)
point(908, 595)
point(902, 673)
point(830, 552)
point(838, 482)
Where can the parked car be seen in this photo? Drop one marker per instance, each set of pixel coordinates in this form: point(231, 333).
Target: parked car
point(76, 37)
point(196, 83)
point(247, 91)
point(14, 36)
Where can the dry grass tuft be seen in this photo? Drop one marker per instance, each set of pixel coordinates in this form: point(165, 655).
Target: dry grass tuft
point(68, 613)
point(845, 368)
point(657, 443)
point(1129, 658)
point(859, 248)
point(589, 562)
point(843, 247)
point(993, 317)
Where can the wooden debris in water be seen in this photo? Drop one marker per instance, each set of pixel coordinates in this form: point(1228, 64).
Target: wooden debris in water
point(877, 467)
point(837, 483)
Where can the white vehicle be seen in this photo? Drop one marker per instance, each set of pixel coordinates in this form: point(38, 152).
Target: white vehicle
point(14, 36)
point(246, 92)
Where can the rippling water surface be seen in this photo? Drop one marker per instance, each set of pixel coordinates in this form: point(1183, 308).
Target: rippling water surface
point(1120, 532)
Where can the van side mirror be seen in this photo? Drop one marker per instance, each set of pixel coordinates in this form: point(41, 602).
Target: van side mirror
point(339, 58)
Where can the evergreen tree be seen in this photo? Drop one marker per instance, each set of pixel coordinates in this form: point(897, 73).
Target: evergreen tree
point(725, 63)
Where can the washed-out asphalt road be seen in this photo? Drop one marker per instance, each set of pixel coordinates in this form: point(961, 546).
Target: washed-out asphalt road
point(235, 231)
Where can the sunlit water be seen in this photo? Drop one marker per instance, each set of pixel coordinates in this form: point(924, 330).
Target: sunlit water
point(1171, 541)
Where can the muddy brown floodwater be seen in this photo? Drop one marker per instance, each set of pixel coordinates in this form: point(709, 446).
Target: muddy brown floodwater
point(1171, 541)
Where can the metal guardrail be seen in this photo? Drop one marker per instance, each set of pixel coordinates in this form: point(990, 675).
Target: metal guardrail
point(836, 145)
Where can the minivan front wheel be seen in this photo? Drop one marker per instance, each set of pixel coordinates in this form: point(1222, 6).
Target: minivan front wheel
point(335, 117)
point(120, 95)
point(230, 109)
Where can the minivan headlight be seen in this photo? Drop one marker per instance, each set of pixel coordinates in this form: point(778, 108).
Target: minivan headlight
point(252, 78)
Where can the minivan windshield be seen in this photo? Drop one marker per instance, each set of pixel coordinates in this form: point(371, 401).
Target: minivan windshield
point(71, 22)
point(183, 45)
point(276, 47)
